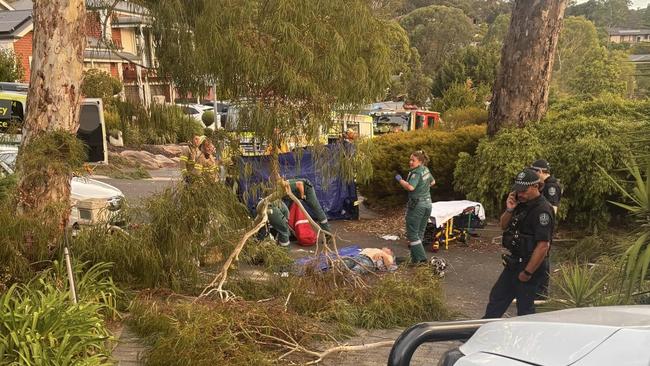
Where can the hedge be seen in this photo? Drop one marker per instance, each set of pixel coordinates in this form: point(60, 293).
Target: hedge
point(391, 153)
point(577, 148)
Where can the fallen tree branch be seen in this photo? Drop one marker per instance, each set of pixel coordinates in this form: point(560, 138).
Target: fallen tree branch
point(260, 221)
point(346, 348)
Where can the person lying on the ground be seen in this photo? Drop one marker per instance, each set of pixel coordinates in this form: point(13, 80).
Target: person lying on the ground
point(371, 259)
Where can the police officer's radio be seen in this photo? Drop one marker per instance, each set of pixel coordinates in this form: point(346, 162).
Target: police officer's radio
point(519, 245)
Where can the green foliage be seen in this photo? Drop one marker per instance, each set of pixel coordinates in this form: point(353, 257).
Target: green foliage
point(640, 49)
point(476, 63)
point(174, 230)
point(391, 300)
point(497, 31)
point(579, 285)
point(56, 151)
point(604, 13)
point(99, 84)
point(436, 32)
point(585, 68)
point(411, 85)
point(218, 333)
point(390, 156)
point(460, 117)
point(161, 124)
point(607, 73)
point(11, 67)
point(486, 176)
point(208, 118)
point(637, 255)
point(590, 249)
point(461, 95)
point(283, 53)
point(25, 240)
point(121, 168)
point(578, 44)
point(576, 138)
point(41, 326)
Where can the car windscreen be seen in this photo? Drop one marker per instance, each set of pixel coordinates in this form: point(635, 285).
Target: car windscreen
point(90, 131)
point(11, 116)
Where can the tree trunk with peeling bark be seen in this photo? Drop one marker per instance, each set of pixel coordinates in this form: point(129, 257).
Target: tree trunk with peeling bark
point(54, 97)
point(521, 89)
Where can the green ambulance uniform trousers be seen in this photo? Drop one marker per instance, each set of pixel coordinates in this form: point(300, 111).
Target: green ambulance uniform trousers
point(312, 201)
point(279, 220)
point(417, 217)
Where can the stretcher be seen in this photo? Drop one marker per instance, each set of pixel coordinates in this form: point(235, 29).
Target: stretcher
point(452, 220)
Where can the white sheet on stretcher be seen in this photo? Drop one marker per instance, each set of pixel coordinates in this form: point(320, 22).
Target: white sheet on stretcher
point(444, 210)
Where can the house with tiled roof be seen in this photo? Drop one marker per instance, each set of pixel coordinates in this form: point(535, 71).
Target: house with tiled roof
point(119, 42)
point(628, 35)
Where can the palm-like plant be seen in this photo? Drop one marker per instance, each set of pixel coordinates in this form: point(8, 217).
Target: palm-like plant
point(579, 286)
point(637, 256)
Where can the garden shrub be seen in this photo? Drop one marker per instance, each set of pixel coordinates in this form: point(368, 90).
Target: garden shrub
point(40, 325)
point(459, 117)
point(390, 155)
point(575, 145)
point(208, 118)
point(486, 176)
point(99, 84)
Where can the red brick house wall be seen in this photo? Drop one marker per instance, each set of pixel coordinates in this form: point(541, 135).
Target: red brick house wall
point(23, 48)
point(114, 72)
point(93, 25)
point(116, 36)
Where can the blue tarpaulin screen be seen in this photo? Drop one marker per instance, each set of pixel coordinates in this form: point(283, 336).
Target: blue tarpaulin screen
point(335, 196)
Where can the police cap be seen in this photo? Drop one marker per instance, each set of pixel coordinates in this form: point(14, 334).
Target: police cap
point(541, 164)
point(525, 179)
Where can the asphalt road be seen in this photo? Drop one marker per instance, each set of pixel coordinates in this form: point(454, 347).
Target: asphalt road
point(136, 190)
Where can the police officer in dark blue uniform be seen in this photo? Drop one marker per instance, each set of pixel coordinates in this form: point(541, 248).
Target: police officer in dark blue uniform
point(528, 223)
point(552, 190)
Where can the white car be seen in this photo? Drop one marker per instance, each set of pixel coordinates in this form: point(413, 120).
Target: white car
point(92, 201)
point(196, 112)
point(597, 336)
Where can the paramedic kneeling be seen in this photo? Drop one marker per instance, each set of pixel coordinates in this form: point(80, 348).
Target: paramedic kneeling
point(528, 228)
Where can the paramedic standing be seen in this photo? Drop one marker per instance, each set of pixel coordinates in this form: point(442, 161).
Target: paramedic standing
point(418, 211)
point(528, 228)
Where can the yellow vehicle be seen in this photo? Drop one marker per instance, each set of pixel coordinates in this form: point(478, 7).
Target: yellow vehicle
point(359, 124)
point(12, 114)
point(92, 130)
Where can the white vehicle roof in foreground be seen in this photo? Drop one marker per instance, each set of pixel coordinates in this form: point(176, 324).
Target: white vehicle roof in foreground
point(568, 337)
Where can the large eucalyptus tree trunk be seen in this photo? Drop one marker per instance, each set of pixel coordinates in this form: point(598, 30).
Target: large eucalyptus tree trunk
point(521, 89)
point(53, 101)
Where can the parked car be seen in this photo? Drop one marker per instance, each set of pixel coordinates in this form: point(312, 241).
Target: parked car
point(196, 111)
point(596, 336)
point(92, 201)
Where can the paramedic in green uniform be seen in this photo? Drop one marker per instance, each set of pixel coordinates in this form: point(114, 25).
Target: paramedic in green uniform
point(279, 219)
point(304, 190)
point(418, 211)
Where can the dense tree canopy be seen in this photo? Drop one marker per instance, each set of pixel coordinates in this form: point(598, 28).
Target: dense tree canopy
point(605, 13)
point(436, 32)
point(286, 65)
point(476, 63)
point(583, 66)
